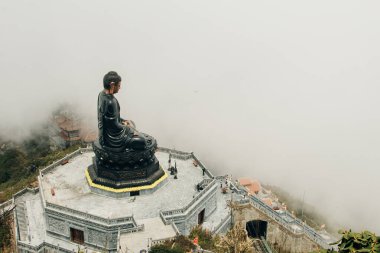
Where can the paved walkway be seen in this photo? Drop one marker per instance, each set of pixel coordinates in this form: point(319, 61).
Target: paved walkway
point(155, 229)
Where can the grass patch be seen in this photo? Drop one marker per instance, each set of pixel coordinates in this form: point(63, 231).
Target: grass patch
point(21, 177)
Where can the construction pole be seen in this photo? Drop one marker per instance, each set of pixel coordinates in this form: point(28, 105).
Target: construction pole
point(232, 216)
point(303, 200)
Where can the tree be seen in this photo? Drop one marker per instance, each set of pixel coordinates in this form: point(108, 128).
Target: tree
point(164, 249)
point(180, 244)
point(5, 229)
point(205, 238)
point(5, 175)
point(37, 145)
point(235, 241)
point(356, 242)
point(12, 163)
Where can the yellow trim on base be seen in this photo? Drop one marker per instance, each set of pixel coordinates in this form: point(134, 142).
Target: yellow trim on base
point(130, 189)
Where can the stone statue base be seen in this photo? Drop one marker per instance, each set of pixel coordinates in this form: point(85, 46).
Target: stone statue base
point(126, 177)
point(144, 187)
point(128, 170)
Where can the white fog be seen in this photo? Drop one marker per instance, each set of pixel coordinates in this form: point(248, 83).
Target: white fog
point(282, 91)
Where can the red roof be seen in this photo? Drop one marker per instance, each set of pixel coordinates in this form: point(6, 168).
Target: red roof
point(267, 201)
point(244, 181)
point(89, 136)
point(67, 138)
point(253, 186)
point(69, 125)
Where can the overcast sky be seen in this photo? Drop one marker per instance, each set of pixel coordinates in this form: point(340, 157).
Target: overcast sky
point(283, 91)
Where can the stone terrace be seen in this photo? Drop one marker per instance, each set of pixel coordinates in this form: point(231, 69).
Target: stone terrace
point(71, 190)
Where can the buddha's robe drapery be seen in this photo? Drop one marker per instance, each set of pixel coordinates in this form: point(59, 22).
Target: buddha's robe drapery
point(112, 133)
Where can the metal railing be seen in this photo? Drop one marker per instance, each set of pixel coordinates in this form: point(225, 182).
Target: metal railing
point(175, 153)
point(202, 166)
point(185, 156)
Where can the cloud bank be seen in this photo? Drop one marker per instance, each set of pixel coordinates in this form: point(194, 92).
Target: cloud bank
point(286, 92)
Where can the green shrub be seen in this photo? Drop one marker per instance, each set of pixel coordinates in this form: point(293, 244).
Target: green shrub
point(20, 177)
point(5, 231)
point(351, 242)
point(180, 244)
point(205, 238)
point(165, 249)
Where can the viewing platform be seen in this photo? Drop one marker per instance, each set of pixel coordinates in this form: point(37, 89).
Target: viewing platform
point(65, 214)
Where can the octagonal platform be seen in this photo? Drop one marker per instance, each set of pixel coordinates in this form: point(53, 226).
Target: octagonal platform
point(71, 190)
point(66, 212)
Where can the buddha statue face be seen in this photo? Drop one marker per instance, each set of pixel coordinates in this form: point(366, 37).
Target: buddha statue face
point(111, 82)
point(114, 87)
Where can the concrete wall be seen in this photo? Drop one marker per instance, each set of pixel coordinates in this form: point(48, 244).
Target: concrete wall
point(209, 204)
point(190, 220)
point(93, 236)
point(277, 236)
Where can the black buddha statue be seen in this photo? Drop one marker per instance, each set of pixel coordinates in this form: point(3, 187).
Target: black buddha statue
point(124, 157)
point(114, 132)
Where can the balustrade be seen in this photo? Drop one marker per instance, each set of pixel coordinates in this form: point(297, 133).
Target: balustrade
point(167, 214)
point(176, 154)
point(87, 216)
point(305, 229)
point(69, 156)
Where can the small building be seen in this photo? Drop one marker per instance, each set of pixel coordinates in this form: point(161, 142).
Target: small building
point(252, 186)
point(69, 131)
point(88, 136)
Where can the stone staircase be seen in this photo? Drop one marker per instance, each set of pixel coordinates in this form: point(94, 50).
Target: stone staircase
point(22, 221)
point(261, 246)
point(286, 220)
point(258, 246)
